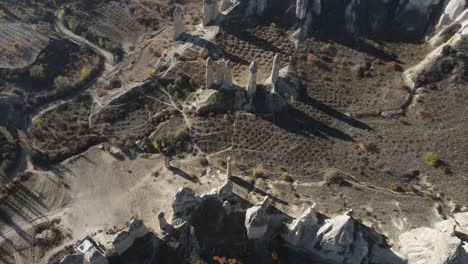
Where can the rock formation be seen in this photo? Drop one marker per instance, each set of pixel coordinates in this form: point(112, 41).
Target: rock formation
point(125, 239)
point(228, 74)
point(178, 23)
point(210, 11)
point(252, 84)
point(430, 63)
point(256, 220)
point(184, 200)
point(220, 73)
point(303, 230)
point(209, 73)
point(275, 68)
point(301, 8)
point(261, 5)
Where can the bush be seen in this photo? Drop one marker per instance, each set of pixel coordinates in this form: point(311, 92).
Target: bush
point(312, 59)
point(392, 65)
point(203, 161)
point(431, 159)
point(62, 83)
point(38, 72)
point(285, 177)
point(258, 173)
point(399, 84)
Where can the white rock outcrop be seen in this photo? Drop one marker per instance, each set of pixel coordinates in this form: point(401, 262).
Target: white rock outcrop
point(430, 246)
point(452, 10)
point(256, 220)
point(411, 75)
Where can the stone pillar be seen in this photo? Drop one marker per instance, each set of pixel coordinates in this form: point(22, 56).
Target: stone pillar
point(210, 11)
point(228, 74)
point(209, 73)
point(228, 168)
point(220, 73)
point(275, 69)
point(178, 23)
point(261, 5)
point(301, 8)
point(252, 86)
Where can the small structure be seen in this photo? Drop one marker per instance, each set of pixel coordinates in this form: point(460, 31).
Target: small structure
point(275, 69)
point(83, 245)
point(178, 22)
point(210, 11)
point(252, 85)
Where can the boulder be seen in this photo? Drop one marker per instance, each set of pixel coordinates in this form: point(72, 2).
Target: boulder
point(430, 246)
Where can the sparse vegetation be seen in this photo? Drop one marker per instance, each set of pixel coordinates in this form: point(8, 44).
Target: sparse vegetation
point(203, 161)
